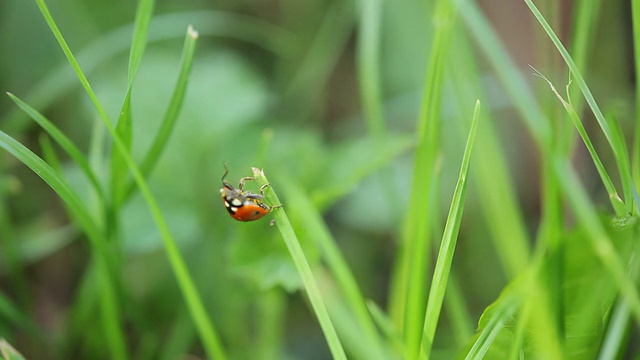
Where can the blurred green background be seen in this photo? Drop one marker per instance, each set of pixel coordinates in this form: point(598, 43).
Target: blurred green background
point(276, 85)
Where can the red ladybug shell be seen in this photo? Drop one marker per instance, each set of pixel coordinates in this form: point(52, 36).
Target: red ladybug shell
point(244, 205)
point(241, 207)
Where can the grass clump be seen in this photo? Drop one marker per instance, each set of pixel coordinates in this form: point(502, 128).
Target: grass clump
point(364, 115)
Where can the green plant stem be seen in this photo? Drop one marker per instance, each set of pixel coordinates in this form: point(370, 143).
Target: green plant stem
point(619, 151)
point(616, 202)
point(108, 305)
point(448, 244)
point(368, 59)
point(302, 265)
point(410, 281)
point(205, 328)
point(173, 110)
point(635, 13)
point(313, 224)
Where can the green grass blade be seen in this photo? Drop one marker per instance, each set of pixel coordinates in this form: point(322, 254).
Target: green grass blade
point(448, 244)
point(124, 129)
point(205, 328)
point(618, 148)
point(368, 59)
point(7, 352)
point(139, 40)
point(308, 279)
point(65, 143)
point(600, 241)
point(635, 13)
point(410, 280)
point(313, 223)
point(616, 202)
point(72, 60)
point(616, 336)
point(54, 180)
point(175, 104)
point(109, 308)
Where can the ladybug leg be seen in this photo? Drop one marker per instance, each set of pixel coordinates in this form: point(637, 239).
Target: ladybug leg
point(241, 183)
point(263, 187)
point(262, 195)
point(275, 207)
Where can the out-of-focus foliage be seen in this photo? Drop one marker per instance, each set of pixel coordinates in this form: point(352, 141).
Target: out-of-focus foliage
point(277, 85)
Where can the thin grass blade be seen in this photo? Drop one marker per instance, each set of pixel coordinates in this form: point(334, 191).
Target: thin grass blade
point(7, 352)
point(173, 110)
point(119, 172)
point(312, 223)
point(124, 127)
point(635, 13)
point(448, 244)
point(79, 212)
point(139, 40)
point(616, 202)
point(65, 143)
point(409, 284)
point(300, 260)
point(619, 151)
point(196, 308)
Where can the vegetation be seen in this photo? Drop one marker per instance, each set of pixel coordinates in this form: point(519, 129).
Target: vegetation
point(441, 199)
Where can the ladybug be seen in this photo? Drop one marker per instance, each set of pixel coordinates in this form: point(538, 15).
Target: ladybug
point(244, 205)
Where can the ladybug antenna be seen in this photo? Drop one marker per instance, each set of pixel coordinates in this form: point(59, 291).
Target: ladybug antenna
point(225, 183)
point(226, 171)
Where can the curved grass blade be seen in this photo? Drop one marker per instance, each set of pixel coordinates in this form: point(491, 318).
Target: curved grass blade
point(313, 223)
point(308, 279)
point(139, 40)
point(616, 202)
point(173, 110)
point(407, 302)
point(635, 13)
point(196, 308)
point(65, 143)
point(124, 127)
point(619, 151)
point(448, 244)
point(7, 352)
point(79, 212)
